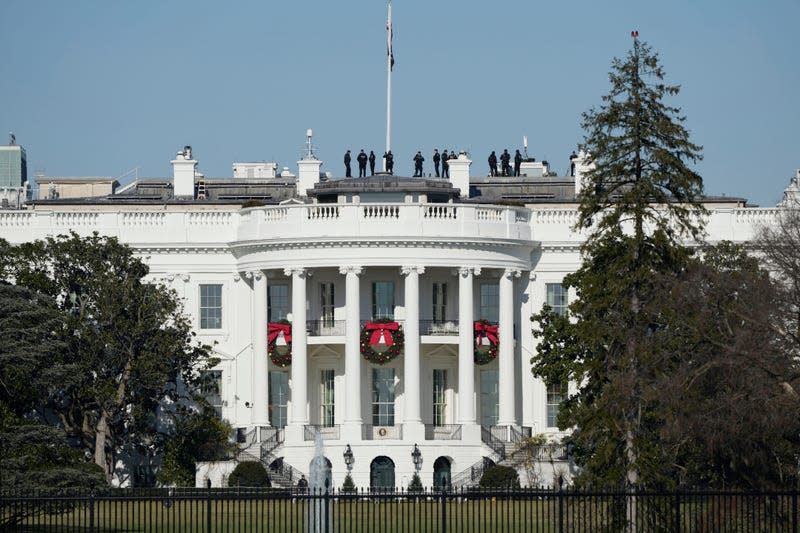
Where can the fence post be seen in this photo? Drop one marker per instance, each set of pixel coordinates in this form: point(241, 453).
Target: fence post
point(208, 506)
point(442, 495)
point(677, 527)
point(560, 508)
point(91, 511)
point(794, 510)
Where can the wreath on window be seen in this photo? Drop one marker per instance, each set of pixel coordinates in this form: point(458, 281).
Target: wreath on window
point(485, 334)
point(385, 334)
point(276, 330)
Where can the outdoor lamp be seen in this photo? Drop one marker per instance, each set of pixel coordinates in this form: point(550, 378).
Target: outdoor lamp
point(416, 456)
point(348, 457)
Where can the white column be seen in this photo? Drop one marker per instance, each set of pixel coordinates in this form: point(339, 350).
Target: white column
point(507, 415)
point(466, 346)
point(411, 370)
point(299, 349)
point(260, 400)
point(352, 352)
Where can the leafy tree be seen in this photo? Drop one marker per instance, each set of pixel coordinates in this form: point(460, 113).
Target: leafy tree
point(128, 348)
point(639, 198)
point(198, 435)
point(249, 474)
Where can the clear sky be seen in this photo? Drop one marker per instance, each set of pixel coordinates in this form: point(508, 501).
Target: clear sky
point(100, 87)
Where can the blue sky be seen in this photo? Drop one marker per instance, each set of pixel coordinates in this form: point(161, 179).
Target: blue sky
point(100, 87)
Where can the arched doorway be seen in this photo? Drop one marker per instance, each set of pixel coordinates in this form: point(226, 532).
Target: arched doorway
point(321, 477)
point(381, 473)
point(441, 473)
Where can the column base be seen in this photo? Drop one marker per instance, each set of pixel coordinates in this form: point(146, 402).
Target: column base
point(413, 432)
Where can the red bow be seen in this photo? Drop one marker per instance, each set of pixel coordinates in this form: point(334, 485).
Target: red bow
point(274, 329)
point(485, 330)
point(381, 329)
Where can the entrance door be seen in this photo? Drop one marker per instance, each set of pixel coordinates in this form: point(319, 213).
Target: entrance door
point(441, 473)
point(490, 397)
point(381, 473)
point(278, 398)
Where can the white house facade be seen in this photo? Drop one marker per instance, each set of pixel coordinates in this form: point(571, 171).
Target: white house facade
point(323, 260)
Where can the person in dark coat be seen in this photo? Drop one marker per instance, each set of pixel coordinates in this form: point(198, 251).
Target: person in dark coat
point(418, 159)
point(347, 172)
point(445, 166)
point(572, 157)
point(517, 162)
point(436, 159)
point(371, 163)
point(492, 164)
point(505, 160)
point(389, 162)
point(362, 164)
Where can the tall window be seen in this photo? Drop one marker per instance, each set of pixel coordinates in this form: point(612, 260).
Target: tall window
point(439, 400)
point(490, 302)
point(439, 302)
point(490, 397)
point(326, 398)
point(210, 306)
point(278, 398)
point(211, 389)
point(383, 396)
point(557, 298)
point(556, 392)
point(382, 299)
point(278, 302)
point(327, 303)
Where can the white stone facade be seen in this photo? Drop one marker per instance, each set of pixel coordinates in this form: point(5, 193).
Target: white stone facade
point(446, 264)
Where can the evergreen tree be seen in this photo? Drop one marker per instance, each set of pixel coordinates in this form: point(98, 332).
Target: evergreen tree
point(639, 198)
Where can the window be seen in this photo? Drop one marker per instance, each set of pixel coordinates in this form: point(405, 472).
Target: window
point(490, 302)
point(490, 397)
point(278, 302)
point(326, 398)
point(557, 298)
point(210, 306)
point(211, 389)
point(383, 300)
point(439, 399)
point(556, 392)
point(278, 398)
point(383, 396)
point(327, 303)
point(439, 302)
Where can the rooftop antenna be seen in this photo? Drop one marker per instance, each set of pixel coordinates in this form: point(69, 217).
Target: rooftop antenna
point(309, 145)
point(525, 145)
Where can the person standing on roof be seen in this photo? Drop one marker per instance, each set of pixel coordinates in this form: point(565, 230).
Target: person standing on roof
point(436, 159)
point(347, 171)
point(505, 160)
point(371, 163)
point(517, 162)
point(493, 164)
point(418, 159)
point(362, 164)
point(445, 166)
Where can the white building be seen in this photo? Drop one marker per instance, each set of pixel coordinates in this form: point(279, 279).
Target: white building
point(329, 255)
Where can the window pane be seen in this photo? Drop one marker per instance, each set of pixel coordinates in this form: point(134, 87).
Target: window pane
point(490, 302)
point(557, 298)
point(439, 302)
point(326, 398)
point(211, 389)
point(439, 396)
point(327, 303)
point(210, 306)
point(490, 397)
point(555, 395)
point(278, 398)
point(278, 302)
point(383, 300)
point(383, 396)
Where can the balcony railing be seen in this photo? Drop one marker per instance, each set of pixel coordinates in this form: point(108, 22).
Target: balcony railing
point(438, 327)
point(372, 432)
point(321, 328)
point(326, 432)
point(444, 432)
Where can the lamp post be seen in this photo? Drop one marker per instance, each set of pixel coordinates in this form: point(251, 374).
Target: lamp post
point(416, 456)
point(348, 458)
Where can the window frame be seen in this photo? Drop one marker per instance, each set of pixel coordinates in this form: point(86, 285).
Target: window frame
point(272, 309)
point(204, 307)
point(383, 409)
point(327, 397)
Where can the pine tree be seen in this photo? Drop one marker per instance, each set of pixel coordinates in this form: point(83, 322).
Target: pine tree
point(639, 199)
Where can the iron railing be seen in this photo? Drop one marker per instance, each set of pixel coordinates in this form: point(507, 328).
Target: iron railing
point(471, 476)
point(443, 432)
point(497, 446)
point(438, 327)
point(326, 432)
point(247, 510)
point(317, 328)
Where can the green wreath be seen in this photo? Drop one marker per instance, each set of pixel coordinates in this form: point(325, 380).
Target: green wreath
point(479, 331)
point(277, 359)
point(398, 342)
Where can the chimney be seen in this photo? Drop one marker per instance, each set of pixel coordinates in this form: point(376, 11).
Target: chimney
point(459, 173)
point(308, 167)
point(183, 173)
point(581, 168)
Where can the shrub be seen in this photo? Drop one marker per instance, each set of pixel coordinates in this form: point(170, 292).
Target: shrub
point(249, 474)
point(416, 484)
point(348, 485)
point(500, 477)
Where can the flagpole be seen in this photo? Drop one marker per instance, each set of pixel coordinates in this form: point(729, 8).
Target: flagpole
point(389, 57)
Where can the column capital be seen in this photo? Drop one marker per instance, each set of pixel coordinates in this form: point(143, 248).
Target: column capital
point(297, 271)
point(408, 269)
point(512, 273)
point(254, 274)
point(351, 269)
point(470, 270)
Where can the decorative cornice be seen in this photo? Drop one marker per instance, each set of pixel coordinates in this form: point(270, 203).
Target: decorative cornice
point(405, 270)
point(511, 273)
point(255, 274)
point(470, 270)
point(351, 269)
point(301, 272)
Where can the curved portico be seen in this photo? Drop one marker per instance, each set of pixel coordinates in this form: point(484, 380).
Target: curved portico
point(426, 248)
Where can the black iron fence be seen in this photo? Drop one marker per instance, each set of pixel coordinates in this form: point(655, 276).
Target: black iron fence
point(250, 510)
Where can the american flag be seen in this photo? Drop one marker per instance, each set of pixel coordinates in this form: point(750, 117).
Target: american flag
point(389, 37)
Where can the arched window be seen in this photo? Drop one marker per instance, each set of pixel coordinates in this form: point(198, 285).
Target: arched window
point(441, 473)
point(381, 473)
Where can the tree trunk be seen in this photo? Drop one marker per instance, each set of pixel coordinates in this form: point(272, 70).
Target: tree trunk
point(100, 437)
